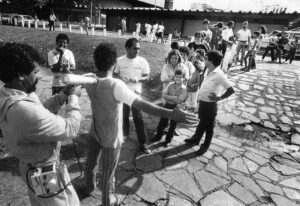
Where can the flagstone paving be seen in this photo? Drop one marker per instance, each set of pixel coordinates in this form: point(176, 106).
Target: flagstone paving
point(255, 166)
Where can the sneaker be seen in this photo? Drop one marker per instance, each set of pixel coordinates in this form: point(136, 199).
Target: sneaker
point(166, 144)
point(191, 141)
point(202, 150)
point(145, 149)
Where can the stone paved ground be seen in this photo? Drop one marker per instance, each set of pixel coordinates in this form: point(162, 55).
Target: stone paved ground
point(253, 159)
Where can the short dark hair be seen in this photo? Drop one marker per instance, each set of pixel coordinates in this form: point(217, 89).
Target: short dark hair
point(230, 23)
point(256, 33)
point(17, 59)
point(105, 56)
point(220, 24)
point(179, 72)
point(197, 33)
point(206, 21)
point(201, 52)
point(174, 45)
point(62, 36)
point(130, 42)
point(215, 57)
point(263, 29)
point(185, 49)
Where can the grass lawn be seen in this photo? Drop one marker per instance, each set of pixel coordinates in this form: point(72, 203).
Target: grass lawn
point(82, 46)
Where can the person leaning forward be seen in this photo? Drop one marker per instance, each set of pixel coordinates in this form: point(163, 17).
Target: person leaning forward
point(31, 130)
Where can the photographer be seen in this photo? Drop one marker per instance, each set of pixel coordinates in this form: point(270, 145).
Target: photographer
point(31, 130)
point(61, 61)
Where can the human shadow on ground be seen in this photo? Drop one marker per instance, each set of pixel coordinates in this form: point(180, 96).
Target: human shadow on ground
point(169, 157)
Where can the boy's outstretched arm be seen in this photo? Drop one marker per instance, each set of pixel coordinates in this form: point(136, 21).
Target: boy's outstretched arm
point(176, 114)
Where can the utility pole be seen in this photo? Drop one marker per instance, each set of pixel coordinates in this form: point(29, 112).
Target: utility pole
point(91, 12)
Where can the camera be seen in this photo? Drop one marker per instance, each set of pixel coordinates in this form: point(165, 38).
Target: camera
point(45, 180)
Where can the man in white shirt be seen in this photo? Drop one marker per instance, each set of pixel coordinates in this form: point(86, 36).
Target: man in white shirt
point(108, 97)
point(61, 61)
point(133, 70)
point(138, 28)
point(148, 29)
point(243, 37)
point(123, 25)
point(52, 19)
point(209, 94)
point(207, 31)
point(160, 32)
point(226, 34)
point(31, 130)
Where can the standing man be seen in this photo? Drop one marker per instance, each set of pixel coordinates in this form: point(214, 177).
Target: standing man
point(123, 25)
point(52, 19)
point(209, 94)
point(216, 35)
point(243, 37)
point(138, 29)
point(133, 70)
point(61, 61)
point(31, 130)
point(207, 31)
point(226, 34)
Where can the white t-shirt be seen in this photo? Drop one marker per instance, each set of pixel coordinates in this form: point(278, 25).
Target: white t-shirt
point(154, 28)
point(148, 27)
point(160, 28)
point(123, 94)
point(138, 27)
point(52, 17)
point(214, 82)
point(208, 35)
point(226, 33)
point(243, 35)
point(67, 59)
point(132, 68)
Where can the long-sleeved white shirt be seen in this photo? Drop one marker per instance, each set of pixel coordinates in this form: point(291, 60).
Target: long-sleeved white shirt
point(32, 132)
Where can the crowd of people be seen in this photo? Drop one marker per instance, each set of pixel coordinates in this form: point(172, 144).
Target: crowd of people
point(192, 80)
point(33, 131)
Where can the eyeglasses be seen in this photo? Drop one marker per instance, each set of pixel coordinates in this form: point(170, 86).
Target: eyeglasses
point(174, 58)
point(197, 36)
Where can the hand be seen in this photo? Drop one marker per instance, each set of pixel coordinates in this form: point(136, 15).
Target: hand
point(72, 89)
point(183, 117)
point(56, 68)
point(60, 51)
point(134, 79)
point(125, 79)
point(65, 68)
point(213, 97)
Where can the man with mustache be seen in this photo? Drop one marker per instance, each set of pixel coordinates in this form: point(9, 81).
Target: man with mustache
point(31, 130)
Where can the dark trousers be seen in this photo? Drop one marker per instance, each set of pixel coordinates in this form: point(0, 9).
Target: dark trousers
point(138, 122)
point(51, 25)
point(269, 48)
point(207, 114)
point(223, 47)
point(291, 55)
point(163, 123)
